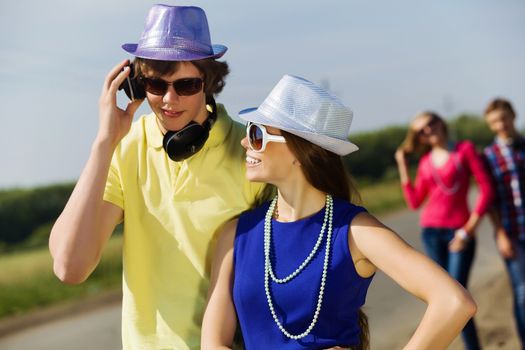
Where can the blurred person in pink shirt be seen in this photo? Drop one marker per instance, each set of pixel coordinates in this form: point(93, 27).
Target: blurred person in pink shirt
point(443, 180)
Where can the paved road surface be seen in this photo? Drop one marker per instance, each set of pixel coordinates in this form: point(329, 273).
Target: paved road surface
point(393, 313)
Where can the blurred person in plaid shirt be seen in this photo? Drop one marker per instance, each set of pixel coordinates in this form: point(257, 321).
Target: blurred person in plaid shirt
point(505, 158)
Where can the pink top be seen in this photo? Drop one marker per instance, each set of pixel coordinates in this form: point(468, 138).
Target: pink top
point(447, 188)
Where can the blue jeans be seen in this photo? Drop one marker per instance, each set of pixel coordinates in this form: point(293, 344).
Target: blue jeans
point(435, 243)
point(516, 270)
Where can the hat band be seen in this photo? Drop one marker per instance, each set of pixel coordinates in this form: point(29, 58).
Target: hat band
point(160, 42)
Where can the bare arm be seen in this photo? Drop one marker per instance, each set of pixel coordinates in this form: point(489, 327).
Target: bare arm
point(449, 305)
point(504, 243)
point(87, 221)
point(220, 319)
point(483, 202)
point(415, 193)
point(402, 166)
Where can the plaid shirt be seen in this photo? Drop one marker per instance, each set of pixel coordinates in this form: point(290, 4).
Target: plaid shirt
point(506, 163)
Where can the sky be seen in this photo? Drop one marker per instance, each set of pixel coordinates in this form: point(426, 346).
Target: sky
point(387, 60)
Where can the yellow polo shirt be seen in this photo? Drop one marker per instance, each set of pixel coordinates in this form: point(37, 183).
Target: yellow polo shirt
point(172, 213)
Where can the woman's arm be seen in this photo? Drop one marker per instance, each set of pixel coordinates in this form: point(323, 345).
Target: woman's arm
point(402, 166)
point(220, 320)
point(449, 305)
point(486, 191)
point(475, 163)
point(414, 194)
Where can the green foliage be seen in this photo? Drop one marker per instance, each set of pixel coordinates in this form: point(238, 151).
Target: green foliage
point(38, 238)
point(382, 196)
point(27, 215)
point(376, 151)
point(24, 210)
point(471, 127)
point(375, 158)
point(27, 280)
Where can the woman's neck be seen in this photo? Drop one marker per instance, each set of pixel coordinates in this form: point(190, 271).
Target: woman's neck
point(298, 201)
point(442, 145)
point(440, 154)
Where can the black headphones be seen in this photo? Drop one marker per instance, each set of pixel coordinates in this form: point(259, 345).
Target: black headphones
point(184, 143)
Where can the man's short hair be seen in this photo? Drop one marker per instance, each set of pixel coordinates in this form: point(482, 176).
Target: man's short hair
point(500, 104)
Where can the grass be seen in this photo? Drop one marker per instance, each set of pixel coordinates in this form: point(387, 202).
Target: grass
point(382, 197)
point(27, 281)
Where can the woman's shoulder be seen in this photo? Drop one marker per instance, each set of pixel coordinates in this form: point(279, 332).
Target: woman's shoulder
point(256, 211)
point(424, 159)
point(348, 208)
point(227, 235)
point(465, 146)
point(250, 217)
point(467, 150)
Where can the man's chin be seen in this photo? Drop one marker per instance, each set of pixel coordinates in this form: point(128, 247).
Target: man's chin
point(170, 125)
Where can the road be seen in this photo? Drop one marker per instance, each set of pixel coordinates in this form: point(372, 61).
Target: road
point(393, 313)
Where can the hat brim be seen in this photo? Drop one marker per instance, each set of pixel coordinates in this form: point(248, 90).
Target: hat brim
point(173, 54)
point(332, 144)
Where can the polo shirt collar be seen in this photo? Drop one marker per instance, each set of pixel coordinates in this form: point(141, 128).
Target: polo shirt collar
point(219, 131)
point(517, 141)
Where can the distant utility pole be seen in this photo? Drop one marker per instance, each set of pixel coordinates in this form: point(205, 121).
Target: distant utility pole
point(449, 106)
point(325, 84)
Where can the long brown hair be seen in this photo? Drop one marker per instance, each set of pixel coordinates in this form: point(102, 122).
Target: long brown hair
point(411, 143)
point(214, 72)
point(323, 169)
point(326, 172)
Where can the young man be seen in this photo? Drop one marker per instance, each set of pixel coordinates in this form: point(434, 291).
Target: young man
point(506, 161)
point(173, 177)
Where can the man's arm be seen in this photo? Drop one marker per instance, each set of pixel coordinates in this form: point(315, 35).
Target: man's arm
point(503, 240)
point(87, 221)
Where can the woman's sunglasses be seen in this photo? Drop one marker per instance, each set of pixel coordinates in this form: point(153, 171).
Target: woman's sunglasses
point(183, 87)
point(431, 123)
point(258, 137)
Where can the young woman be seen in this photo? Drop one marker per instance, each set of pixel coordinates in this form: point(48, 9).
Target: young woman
point(443, 176)
point(295, 271)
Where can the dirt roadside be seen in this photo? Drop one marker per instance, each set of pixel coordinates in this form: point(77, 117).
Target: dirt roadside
point(40, 316)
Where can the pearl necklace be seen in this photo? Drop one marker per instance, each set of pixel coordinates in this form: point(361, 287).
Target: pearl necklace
point(268, 270)
point(439, 182)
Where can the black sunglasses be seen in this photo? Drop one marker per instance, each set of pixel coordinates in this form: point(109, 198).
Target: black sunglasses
point(430, 124)
point(183, 87)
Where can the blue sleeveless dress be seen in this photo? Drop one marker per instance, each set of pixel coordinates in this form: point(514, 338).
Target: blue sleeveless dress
point(295, 301)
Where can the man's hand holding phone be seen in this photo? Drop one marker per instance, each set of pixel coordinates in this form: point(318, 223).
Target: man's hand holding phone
point(114, 121)
point(132, 86)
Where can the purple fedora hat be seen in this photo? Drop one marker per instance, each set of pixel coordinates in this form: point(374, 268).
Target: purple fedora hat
point(175, 33)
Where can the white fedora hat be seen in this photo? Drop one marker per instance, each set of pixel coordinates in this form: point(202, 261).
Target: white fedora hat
point(299, 107)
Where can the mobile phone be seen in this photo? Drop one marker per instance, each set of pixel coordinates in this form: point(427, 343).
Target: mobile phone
point(132, 86)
